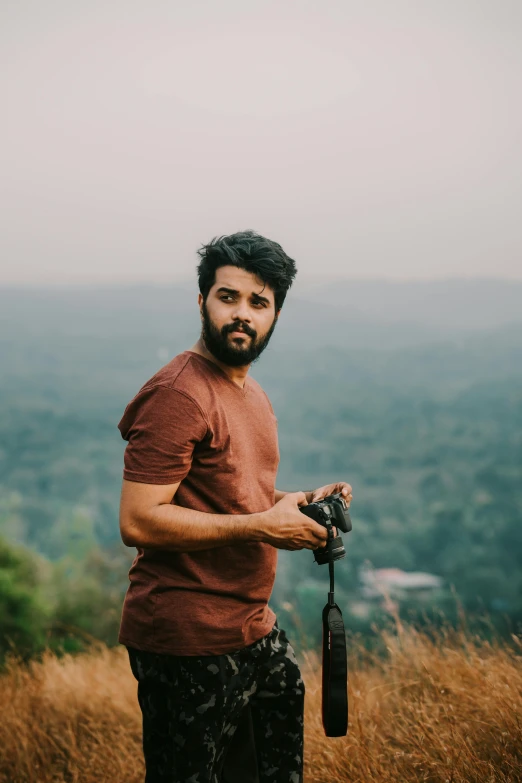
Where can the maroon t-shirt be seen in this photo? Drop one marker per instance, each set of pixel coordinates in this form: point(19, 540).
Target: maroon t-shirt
point(191, 423)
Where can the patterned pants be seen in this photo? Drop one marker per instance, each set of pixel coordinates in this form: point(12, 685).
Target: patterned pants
point(234, 718)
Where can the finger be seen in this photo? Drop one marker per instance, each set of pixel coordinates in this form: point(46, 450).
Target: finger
point(321, 533)
point(319, 494)
point(346, 489)
point(299, 498)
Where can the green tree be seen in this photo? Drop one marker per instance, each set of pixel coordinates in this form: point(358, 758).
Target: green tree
point(24, 615)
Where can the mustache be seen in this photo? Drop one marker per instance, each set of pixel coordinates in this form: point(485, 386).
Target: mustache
point(228, 328)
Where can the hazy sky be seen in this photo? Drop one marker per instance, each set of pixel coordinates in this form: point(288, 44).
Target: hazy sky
point(372, 138)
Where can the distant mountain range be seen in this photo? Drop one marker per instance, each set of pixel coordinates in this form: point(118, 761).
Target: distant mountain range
point(345, 313)
point(444, 305)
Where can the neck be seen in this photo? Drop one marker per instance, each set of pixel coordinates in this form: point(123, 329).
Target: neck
point(236, 374)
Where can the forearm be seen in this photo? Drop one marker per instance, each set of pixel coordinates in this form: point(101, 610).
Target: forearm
point(279, 494)
point(179, 529)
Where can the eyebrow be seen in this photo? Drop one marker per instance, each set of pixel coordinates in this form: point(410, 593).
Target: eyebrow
point(233, 291)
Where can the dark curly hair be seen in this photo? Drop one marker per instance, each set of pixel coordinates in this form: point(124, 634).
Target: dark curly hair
point(252, 252)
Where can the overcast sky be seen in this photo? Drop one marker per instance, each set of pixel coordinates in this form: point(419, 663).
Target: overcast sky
point(373, 139)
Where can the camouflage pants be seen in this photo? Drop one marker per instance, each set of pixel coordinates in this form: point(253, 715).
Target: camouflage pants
point(234, 718)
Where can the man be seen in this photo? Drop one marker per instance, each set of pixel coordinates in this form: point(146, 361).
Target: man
point(200, 505)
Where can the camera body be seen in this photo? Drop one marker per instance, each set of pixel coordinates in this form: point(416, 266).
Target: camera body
point(329, 512)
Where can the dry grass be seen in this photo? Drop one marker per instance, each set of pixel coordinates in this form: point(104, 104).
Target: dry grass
point(444, 710)
point(441, 711)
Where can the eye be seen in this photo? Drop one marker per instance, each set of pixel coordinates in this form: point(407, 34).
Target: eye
point(259, 302)
point(226, 296)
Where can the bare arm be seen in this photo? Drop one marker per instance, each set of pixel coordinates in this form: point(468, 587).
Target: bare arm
point(149, 520)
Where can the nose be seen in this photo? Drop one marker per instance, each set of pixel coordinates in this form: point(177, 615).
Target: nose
point(241, 312)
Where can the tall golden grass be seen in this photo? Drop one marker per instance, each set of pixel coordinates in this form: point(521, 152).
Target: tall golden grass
point(441, 706)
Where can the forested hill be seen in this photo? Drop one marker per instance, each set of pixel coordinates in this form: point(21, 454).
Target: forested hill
point(412, 392)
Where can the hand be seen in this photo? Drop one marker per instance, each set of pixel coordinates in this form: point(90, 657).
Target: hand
point(332, 489)
point(284, 527)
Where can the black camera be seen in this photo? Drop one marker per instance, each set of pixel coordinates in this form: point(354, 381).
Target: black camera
point(329, 512)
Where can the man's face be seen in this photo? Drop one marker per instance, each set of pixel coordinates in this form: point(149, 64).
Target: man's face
point(238, 316)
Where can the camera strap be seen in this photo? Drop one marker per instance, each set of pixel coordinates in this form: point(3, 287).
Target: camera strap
point(335, 663)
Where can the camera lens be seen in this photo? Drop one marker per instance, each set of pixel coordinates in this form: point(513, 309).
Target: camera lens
point(337, 549)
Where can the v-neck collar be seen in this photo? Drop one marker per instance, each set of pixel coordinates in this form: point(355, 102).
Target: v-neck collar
point(242, 391)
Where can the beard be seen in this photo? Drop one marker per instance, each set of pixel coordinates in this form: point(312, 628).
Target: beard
point(235, 352)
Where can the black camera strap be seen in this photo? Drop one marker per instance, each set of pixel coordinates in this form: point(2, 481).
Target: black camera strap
point(335, 663)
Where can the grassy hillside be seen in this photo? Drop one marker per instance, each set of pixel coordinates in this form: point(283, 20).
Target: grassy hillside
point(437, 706)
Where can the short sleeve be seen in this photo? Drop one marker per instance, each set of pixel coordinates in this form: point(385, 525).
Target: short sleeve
point(162, 426)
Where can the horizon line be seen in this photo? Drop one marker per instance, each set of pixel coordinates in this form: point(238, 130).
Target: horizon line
point(55, 284)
